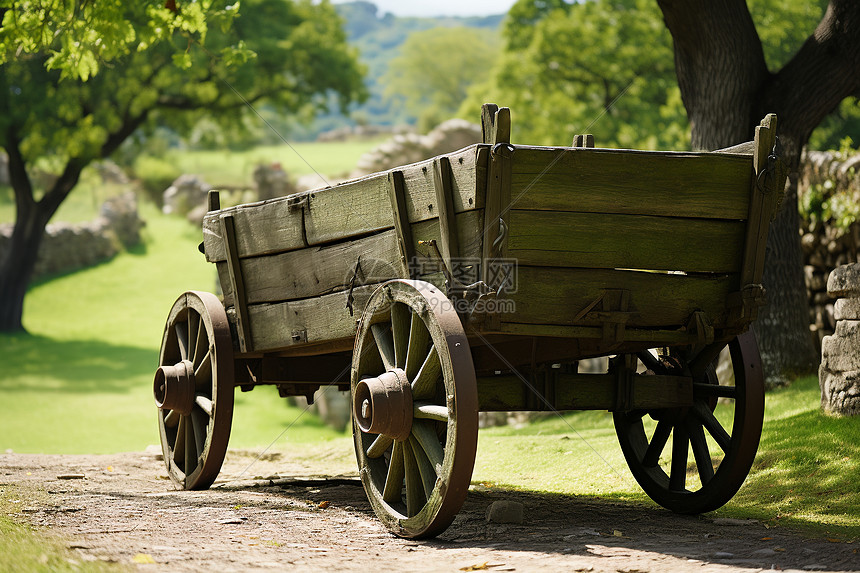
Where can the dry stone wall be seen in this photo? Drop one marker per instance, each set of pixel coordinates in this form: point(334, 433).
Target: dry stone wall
point(71, 246)
point(839, 374)
point(827, 178)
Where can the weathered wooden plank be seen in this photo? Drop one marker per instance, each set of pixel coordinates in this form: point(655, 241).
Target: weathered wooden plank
point(316, 271)
point(657, 300)
point(261, 228)
point(632, 336)
point(609, 241)
point(581, 392)
point(363, 206)
point(307, 321)
point(634, 182)
point(351, 209)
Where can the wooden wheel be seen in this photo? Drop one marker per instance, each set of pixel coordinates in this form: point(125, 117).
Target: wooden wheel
point(722, 429)
point(193, 389)
point(415, 408)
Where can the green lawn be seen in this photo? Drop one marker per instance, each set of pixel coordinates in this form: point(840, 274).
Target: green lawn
point(805, 474)
point(80, 381)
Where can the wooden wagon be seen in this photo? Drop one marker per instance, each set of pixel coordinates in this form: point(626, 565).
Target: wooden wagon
point(476, 281)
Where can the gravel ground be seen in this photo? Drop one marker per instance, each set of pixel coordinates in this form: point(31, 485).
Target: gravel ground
point(122, 508)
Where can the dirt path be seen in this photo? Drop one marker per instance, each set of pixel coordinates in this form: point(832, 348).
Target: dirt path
point(125, 510)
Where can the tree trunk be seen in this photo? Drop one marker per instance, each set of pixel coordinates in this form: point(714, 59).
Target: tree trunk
point(727, 88)
point(17, 266)
point(31, 218)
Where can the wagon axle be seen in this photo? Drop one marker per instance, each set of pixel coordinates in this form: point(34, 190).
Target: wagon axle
point(174, 387)
point(383, 405)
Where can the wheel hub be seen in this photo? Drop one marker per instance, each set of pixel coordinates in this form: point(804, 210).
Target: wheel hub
point(383, 405)
point(174, 387)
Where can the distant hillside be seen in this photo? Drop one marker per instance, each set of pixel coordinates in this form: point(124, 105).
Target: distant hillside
point(378, 37)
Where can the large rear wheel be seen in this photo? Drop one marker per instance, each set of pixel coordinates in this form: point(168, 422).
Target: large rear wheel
point(721, 429)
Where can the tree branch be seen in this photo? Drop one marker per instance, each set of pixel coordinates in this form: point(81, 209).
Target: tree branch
point(811, 85)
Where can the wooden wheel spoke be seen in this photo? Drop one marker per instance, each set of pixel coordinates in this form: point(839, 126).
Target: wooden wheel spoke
point(385, 345)
point(401, 321)
point(701, 453)
point(203, 370)
point(391, 493)
point(179, 444)
point(414, 486)
point(419, 336)
point(193, 320)
point(171, 419)
point(201, 344)
point(650, 361)
point(190, 447)
point(379, 445)
point(678, 470)
point(200, 421)
point(425, 437)
point(425, 467)
point(181, 330)
point(205, 404)
point(710, 422)
point(714, 391)
point(427, 411)
point(424, 384)
point(658, 442)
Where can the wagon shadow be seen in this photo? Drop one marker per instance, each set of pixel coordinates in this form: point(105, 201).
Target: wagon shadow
point(602, 527)
point(77, 366)
point(597, 528)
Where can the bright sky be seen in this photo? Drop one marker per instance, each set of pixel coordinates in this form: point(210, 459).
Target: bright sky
point(440, 7)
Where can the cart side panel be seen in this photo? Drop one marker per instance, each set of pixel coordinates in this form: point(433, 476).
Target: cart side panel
point(316, 271)
point(301, 263)
point(616, 240)
point(339, 213)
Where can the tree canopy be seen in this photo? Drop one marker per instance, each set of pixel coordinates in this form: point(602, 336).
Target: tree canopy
point(608, 67)
point(77, 79)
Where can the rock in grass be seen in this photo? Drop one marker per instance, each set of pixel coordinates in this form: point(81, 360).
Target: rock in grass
point(505, 512)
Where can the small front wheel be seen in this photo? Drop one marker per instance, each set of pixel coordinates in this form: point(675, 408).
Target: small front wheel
point(193, 389)
point(415, 408)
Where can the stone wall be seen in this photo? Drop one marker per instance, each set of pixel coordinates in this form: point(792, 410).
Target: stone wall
point(839, 374)
point(71, 246)
point(826, 244)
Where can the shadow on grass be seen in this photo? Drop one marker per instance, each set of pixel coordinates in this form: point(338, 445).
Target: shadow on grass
point(44, 364)
point(806, 474)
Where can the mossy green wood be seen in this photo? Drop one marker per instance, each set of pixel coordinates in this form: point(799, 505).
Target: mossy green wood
point(344, 211)
point(509, 392)
point(320, 319)
point(675, 184)
point(557, 296)
point(609, 241)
